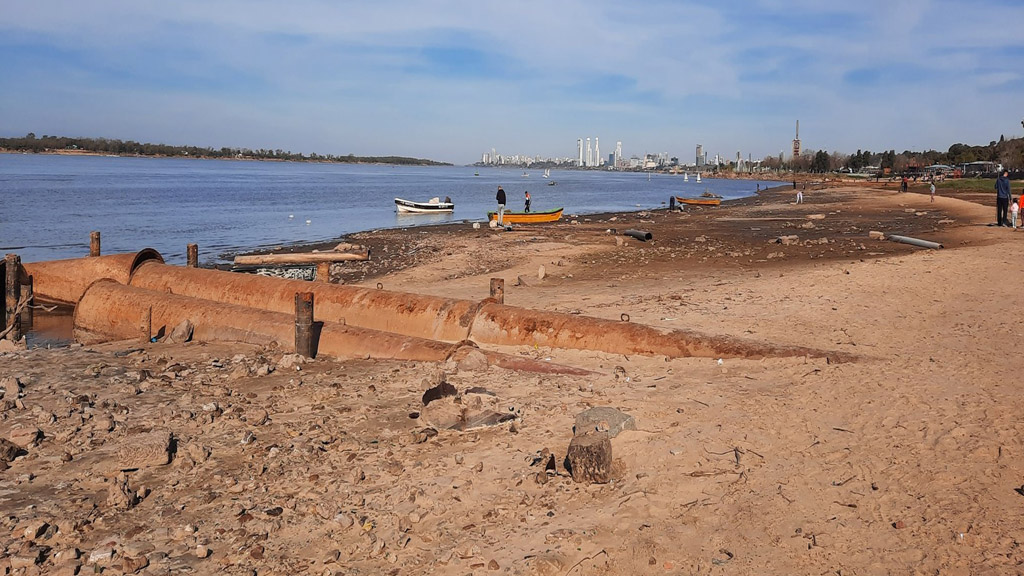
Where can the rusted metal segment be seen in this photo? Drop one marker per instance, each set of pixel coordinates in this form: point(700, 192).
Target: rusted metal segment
point(304, 324)
point(64, 281)
point(109, 311)
point(193, 255)
point(509, 325)
point(498, 290)
point(430, 317)
point(94, 244)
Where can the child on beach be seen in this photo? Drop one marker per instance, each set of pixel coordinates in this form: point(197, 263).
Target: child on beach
point(933, 191)
point(1014, 209)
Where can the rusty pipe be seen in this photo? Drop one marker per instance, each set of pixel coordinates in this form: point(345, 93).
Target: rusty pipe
point(110, 311)
point(452, 319)
point(64, 281)
point(430, 317)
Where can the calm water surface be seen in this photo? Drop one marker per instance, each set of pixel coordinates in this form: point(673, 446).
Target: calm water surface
point(49, 203)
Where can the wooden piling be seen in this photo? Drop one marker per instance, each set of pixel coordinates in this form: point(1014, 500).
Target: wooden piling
point(12, 292)
point(146, 326)
point(498, 290)
point(304, 324)
point(193, 255)
point(28, 297)
point(94, 243)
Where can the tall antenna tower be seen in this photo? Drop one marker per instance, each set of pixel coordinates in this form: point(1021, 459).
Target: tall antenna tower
point(796, 142)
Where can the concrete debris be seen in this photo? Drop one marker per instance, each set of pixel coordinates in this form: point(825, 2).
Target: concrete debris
point(603, 419)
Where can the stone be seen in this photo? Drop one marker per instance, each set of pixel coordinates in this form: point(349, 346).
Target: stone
point(12, 388)
point(8, 452)
point(603, 419)
point(788, 240)
point(202, 551)
point(26, 437)
point(541, 272)
point(290, 360)
point(876, 235)
point(590, 458)
point(181, 333)
point(474, 361)
point(815, 216)
point(145, 450)
point(131, 565)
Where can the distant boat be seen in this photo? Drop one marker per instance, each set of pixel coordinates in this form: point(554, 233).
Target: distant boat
point(547, 172)
point(686, 177)
point(698, 176)
point(552, 183)
point(526, 174)
point(433, 206)
point(476, 173)
point(527, 217)
point(699, 201)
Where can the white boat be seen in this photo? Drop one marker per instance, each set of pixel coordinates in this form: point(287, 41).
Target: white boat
point(686, 177)
point(547, 172)
point(698, 176)
point(526, 174)
point(434, 205)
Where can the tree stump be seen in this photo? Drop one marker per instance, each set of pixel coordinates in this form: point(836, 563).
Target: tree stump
point(590, 458)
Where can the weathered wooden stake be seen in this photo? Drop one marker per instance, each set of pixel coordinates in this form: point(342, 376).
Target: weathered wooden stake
point(590, 458)
point(146, 325)
point(12, 264)
point(193, 255)
point(304, 324)
point(27, 296)
point(94, 243)
point(323, 272)
point(498, 290)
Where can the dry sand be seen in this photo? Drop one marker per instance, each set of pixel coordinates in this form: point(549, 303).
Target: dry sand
point(902, 462)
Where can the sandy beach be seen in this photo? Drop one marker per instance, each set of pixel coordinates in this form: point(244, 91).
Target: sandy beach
point(223, 458)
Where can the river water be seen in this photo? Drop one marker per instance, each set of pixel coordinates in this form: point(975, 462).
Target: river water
point(50, 203)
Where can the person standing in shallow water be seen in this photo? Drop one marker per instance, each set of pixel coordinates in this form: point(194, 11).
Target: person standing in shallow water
point(1002, 198)
point(527, 207)
point(500, 197)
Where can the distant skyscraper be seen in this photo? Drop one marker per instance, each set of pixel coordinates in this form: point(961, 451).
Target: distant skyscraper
point(597, 152)
point(618, 154)
point(579, 151)
point(796, 141)
point(590, 155)
point(700, 155)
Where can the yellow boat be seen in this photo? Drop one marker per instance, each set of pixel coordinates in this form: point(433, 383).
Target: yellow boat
point(528, 217)
point(699, 201)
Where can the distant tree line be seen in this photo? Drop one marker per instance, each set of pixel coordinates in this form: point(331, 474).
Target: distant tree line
point(29, 143)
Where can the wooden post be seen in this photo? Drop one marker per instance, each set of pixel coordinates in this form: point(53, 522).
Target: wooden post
point(498, 290)
point(29, 297)
point(323, 272)
point(146, 325)
point(12, 264)
point(94, 243)
point(590, 456)
point(304, 324)
point(193, 255)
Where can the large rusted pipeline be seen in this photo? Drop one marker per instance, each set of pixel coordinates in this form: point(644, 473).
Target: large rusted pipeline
point(64, 281)
point(430, 317)
point(452, 319)
point(110, 311)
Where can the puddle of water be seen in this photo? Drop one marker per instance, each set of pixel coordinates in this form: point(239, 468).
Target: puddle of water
point(48, 329)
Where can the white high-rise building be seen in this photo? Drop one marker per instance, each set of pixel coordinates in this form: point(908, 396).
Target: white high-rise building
point(590, 155)
point(579, 151)
point(618, 154)
point(597, 152)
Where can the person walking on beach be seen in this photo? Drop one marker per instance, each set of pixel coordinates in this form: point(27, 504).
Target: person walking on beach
point(933, 191)
point(903, 185)
point(1002, 198)
point(527, 207)
point(800, 196)
point(1014, 209)
point(500, 197)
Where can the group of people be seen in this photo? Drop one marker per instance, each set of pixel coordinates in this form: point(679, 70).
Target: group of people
point(1005, 202)
point(500, 197)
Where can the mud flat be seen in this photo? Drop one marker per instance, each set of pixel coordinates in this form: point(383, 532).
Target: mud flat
point(219, 458)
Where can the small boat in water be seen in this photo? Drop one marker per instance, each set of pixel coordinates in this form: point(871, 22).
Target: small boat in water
point(686, 177)
point(528, 217)
point(698, 176)
point(552, 183)
point(433, 206)
point(547, 172)
point(699, 201)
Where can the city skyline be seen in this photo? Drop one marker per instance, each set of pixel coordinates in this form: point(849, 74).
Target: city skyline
point(446, 81)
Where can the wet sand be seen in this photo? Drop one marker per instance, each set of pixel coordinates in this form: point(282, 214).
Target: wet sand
point(904, 461)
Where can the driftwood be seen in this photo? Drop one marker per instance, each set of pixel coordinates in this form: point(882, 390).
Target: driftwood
point(300, 258)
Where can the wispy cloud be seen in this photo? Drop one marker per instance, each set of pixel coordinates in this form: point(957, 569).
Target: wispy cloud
point(450, 79)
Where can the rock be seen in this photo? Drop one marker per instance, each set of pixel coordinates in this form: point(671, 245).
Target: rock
point(290, 360)
point(120, 496)
point(788, 240)
point(815, 216)
point(619, 241)
point(181, 333)
point(541, 273)
point(26, 437)
point(8, 452)
point(603, 419)
point(876, 235)
point(131, 565)
point(474, 361)
point(101, 555)
point(12, 388)
point(145, 450)
point(255, 416)
point(202, 551)
point(590, 458)
point(476, 225)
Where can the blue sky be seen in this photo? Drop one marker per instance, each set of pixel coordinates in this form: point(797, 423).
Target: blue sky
point(451, 79)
